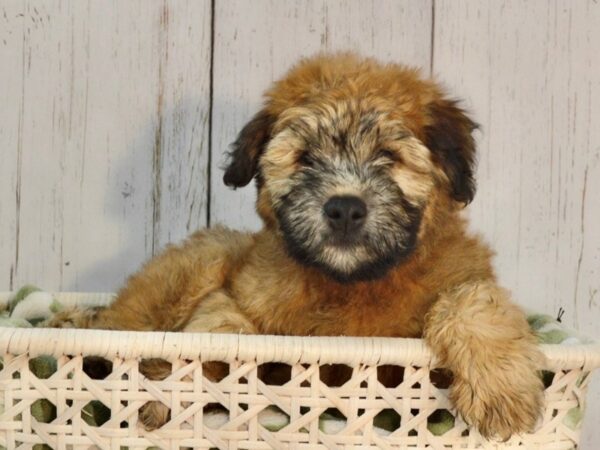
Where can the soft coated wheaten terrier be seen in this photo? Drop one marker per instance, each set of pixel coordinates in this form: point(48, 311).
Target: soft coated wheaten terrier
point(362, 170)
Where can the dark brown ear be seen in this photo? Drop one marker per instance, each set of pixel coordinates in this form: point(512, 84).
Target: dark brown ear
point(246, 150)
point(449, 137)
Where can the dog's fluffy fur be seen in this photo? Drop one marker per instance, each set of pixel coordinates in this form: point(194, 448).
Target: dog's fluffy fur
point(344, 126)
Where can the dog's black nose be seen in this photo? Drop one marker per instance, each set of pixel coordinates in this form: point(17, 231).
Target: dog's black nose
point(345, 213)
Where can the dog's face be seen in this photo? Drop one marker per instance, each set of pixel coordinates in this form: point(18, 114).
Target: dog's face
point(347, 166)
point(347, 185)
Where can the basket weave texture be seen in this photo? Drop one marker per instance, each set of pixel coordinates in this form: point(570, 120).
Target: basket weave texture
point(252, 414)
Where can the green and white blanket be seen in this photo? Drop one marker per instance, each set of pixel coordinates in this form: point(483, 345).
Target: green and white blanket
point(30, 306)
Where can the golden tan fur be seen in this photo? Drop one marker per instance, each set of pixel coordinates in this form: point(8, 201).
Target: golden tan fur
point(445, 290)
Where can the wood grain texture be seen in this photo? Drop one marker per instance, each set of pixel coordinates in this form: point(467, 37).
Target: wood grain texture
point(100, 131)
point(531, 76)
point(253, 48)
point(389, 30)
point(182, 139)
point(12, 64)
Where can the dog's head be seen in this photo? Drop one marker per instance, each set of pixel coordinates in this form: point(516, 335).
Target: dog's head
point(348, 156)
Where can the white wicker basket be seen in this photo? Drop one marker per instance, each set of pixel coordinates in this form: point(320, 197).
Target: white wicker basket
point(302, 400)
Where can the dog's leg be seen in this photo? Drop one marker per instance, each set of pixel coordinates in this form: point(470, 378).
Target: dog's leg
point(178, 290)
point(165, 293)
point(484, 339)
point(218, 313)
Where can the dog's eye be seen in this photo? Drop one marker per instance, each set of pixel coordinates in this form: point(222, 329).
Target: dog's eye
point(388, 154)
point(306, 160)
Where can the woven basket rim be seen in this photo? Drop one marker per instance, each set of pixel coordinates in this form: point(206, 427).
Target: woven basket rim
point(352, 351)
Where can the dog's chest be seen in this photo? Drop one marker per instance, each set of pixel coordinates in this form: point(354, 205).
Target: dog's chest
point(281, 297)
point(360, 310)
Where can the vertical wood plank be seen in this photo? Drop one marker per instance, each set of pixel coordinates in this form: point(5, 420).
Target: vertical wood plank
point(530, 74)
point(11, 120)
point(253, 48)
point(184, 95)
point(390, 30)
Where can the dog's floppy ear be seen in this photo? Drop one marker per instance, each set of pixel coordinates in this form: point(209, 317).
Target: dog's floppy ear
point(449, 137)
point(246, 150)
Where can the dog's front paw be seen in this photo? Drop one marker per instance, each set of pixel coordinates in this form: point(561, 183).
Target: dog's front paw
point(485, 341)
point(500, 402)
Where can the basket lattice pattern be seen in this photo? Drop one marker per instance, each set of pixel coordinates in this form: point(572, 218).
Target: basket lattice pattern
point(243, 398)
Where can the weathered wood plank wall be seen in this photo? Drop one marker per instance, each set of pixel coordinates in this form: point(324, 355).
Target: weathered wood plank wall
point(105, 111)
point(116, 116)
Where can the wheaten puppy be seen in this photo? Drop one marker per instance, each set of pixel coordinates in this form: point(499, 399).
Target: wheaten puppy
point(362, 170)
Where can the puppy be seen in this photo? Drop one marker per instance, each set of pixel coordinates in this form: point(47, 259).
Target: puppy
point(362, 170)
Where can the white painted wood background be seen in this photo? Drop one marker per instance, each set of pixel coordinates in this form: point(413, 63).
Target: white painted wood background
point(114, 118)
